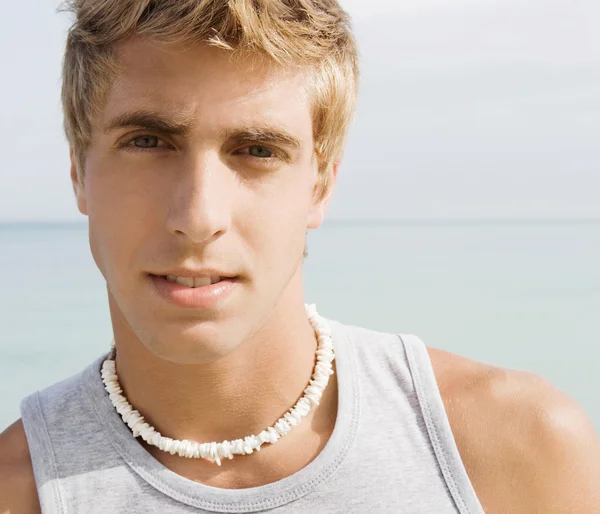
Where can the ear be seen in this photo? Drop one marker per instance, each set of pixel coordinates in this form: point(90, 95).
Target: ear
point(78, 185)
point(318, 210)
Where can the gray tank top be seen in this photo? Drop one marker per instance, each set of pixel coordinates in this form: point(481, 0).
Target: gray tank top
point(391, 451)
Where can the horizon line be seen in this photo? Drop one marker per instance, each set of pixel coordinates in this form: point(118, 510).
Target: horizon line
point(371, 221)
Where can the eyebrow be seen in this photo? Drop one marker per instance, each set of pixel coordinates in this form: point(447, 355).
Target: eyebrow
point(260, 133)
point(149, 120)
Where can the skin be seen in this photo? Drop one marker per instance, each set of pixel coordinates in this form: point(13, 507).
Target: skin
point(197, 197)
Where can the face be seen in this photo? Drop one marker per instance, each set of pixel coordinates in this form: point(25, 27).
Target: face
point(204, 169)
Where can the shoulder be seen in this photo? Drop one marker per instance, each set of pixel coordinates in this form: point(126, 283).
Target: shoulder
point(18, 493)
point(526, 445)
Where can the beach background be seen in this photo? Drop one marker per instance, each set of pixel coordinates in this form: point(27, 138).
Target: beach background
point(466, 209)
point(519, 294)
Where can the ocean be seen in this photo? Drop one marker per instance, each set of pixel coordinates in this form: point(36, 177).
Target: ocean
point(518, 294)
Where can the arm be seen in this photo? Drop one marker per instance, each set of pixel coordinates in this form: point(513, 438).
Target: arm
point(527, 447)
point(561, 461)
point(18, 492)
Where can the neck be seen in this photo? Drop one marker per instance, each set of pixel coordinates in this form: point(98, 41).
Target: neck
point(236, 396)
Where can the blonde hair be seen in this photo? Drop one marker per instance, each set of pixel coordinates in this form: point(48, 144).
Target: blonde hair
point(309, 33)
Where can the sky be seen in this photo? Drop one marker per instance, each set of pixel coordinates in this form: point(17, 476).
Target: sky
point(467, 109)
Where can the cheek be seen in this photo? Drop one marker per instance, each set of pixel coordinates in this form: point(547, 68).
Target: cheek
point(122, 194)
point(117, 214)
point(287, 200)
point(279, 219)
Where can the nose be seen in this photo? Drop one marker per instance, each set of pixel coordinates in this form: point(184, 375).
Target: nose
point(201, 200)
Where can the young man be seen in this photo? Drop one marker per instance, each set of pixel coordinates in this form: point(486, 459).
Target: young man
point(205, 140)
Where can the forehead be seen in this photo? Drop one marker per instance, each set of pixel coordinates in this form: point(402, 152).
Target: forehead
point(206, 85)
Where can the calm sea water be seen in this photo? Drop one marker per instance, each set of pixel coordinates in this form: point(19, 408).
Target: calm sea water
point(524, 295)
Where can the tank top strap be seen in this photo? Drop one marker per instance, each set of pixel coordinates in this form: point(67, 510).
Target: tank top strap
point(438, 426)
point(43, 459)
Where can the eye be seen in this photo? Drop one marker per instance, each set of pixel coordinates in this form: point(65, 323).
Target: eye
point(260, 151)
point(145, 142)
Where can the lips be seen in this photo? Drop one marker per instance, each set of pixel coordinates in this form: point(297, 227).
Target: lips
point(194, 281)
point(194, 292)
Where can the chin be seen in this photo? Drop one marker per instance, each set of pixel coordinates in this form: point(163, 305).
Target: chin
point(196, 343)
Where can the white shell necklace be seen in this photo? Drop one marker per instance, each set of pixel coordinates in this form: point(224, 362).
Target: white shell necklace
point(214, 451)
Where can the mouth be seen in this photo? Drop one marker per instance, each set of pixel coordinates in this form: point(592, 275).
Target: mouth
point(194, 282)
point(199, 292)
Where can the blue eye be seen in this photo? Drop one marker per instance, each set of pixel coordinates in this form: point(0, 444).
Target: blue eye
point(260, 151)
point(146, 142)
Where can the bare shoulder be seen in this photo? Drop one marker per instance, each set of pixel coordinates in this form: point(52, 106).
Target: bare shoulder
point(18, 493)
point(526, 445)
